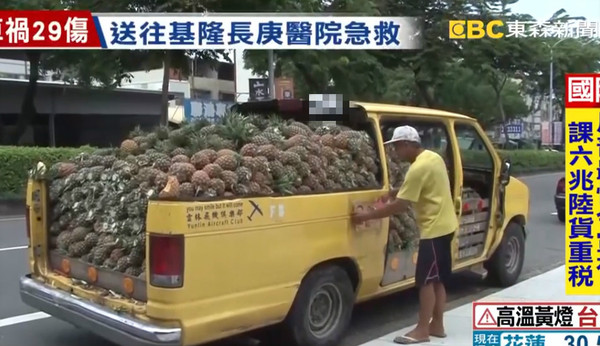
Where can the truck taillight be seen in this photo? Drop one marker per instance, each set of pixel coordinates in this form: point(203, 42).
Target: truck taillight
point(28, 222)
point(166, 260)
point(560, 187)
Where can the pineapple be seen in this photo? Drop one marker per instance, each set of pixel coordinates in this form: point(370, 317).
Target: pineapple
point(178, 151)
point(187, 190)
point(78, 249)
point(262, 164)
point(162, 163)
point(182, 171)
point(229, 178)
point(129, 146)
point(292, 130)
point(301, 151)
point(180, 158)
point(210, 130)
point(241, 190)
point(227, 161)
point(297, 140)
point(289, 158)
point(63, 169)
point(116, 254)
point(249, 149)
point(303, 169)
point(254, 188)
point(217, 187)
point(311, 181)
point(244, 174)
point(102, 252)
point(122, 264)
point(249, 163)
point(108, 161)
point(109, 263)
point(261, 179)
point(225, 152)
point(213, 170)
point(273, 137)
point(133, 271)
point(276, 169)
point(328, 140)
point(64, 240)
point(203, 158)
point(260, 140)
point(269, 151)
point(341, 140)
point(304, 189)
point(161, 180)
point(333, 173)
point(147, 175)
point(79, 233)
point(171, 189)
point(314, 162)
point(200, 180)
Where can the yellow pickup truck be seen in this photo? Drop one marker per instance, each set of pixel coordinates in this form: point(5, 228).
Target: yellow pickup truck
point(294, 263)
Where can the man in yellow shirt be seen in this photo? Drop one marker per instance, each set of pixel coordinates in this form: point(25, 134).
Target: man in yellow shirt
point(427, 186)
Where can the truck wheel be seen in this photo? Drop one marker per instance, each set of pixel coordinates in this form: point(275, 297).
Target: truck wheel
point(322, 309)
point(507, 262)
point(561, 216)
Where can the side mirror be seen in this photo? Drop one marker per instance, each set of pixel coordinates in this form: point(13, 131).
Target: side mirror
point(505, 172)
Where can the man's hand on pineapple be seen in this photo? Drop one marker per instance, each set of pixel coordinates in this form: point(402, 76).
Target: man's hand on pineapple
point(396, 206)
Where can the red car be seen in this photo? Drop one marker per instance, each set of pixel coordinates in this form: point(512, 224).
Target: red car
point(559, 199)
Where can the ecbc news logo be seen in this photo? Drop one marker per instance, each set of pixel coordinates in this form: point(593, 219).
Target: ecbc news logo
point(474, 29)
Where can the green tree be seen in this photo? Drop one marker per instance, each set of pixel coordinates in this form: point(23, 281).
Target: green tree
point(464, 92)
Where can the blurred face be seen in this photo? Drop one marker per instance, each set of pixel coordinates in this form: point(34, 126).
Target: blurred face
point(403, 150)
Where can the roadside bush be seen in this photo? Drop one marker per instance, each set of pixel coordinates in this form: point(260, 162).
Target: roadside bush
point(528, 161)
point(15, 162)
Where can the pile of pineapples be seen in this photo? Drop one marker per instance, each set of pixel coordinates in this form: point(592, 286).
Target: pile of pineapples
point(403, 232)
point(99, 200)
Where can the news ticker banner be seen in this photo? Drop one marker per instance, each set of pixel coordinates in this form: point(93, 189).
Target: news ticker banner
point(536, 324)
point(582, 188)
point(189, 31)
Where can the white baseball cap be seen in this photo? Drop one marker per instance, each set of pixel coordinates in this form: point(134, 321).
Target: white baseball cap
point(405, 133)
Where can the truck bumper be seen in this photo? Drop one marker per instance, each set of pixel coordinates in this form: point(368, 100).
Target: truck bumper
point(121, 329)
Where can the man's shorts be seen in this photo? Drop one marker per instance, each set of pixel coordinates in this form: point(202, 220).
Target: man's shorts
point(434, 260)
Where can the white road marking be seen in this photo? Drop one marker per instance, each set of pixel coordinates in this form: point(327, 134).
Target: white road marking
point(554, 213)
point(5, 322)
point(14, 248)
point(10, 219)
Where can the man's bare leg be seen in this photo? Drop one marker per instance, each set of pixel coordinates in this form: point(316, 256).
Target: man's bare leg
point(426, 307)
point(436, 327)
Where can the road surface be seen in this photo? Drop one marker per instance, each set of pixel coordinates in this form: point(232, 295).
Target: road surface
point(22, 325)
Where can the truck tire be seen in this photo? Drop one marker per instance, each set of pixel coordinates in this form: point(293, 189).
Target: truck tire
point(322, 309)
point(506, 264)
point(561, 216)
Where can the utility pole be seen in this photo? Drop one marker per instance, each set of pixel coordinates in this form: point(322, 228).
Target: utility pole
point(271, 76)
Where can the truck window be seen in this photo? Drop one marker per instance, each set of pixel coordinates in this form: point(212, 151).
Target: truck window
point(434, 137)
point(473, 151)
